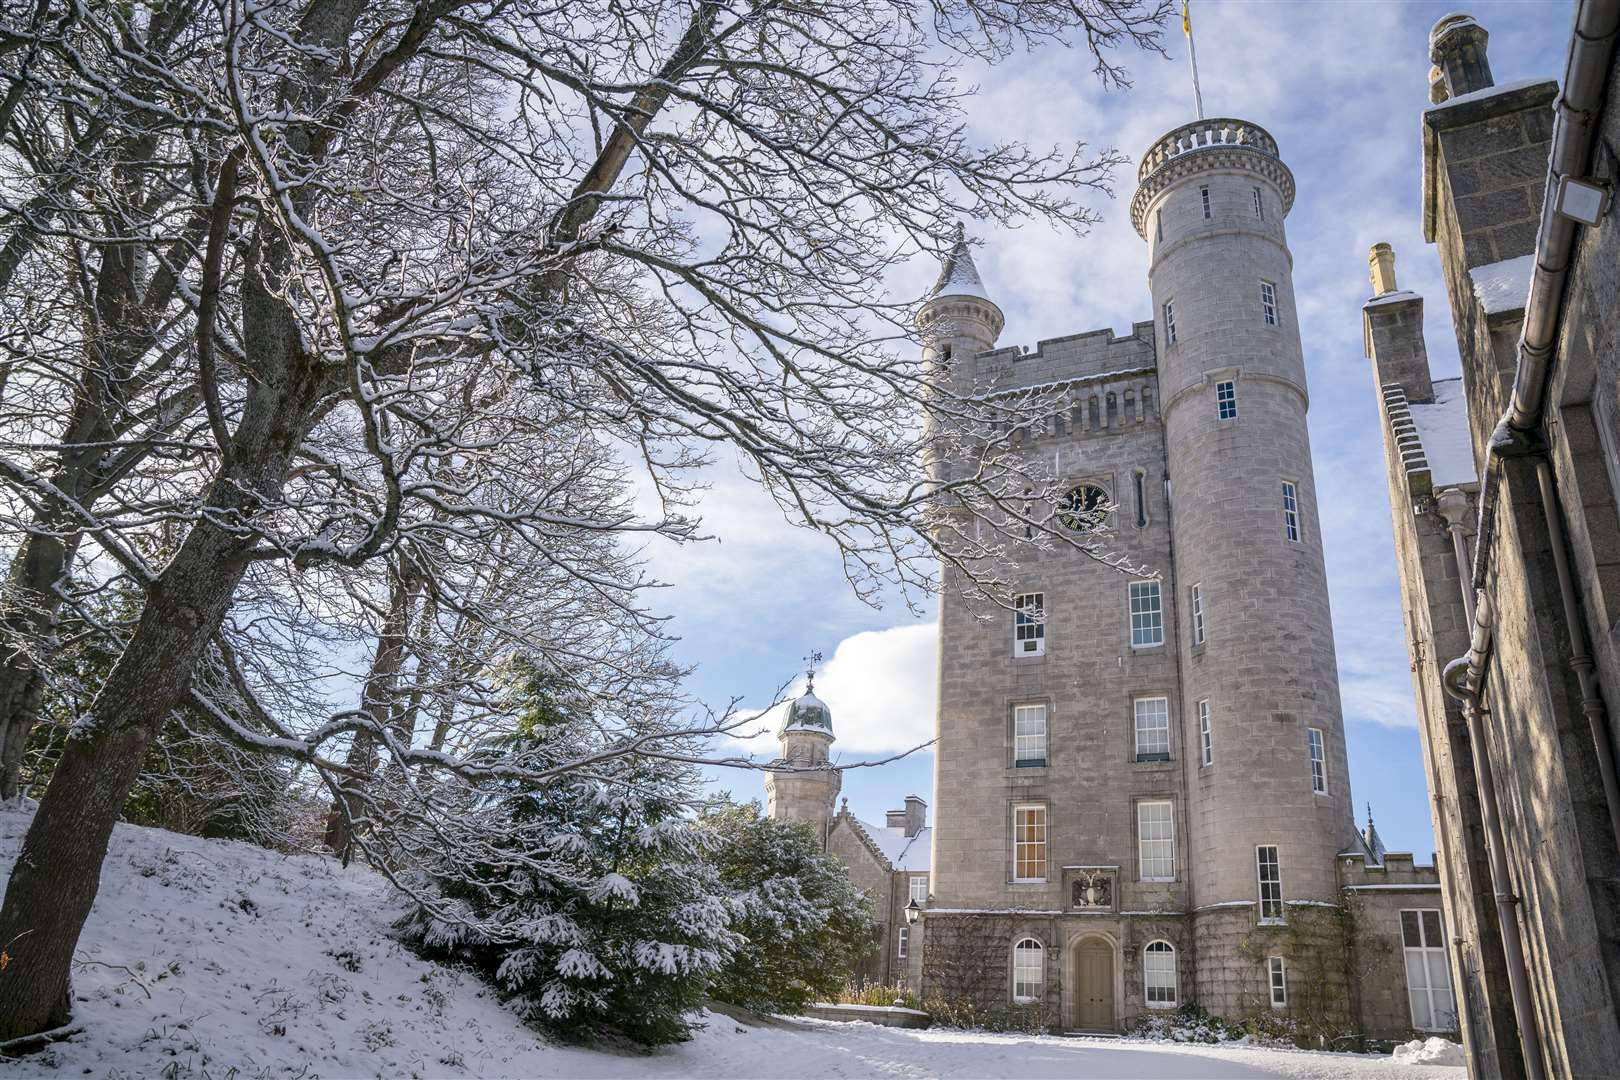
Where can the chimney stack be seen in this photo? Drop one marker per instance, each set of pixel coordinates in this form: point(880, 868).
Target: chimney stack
point(916, 815)
point(1457, 48)
point(1381, 269)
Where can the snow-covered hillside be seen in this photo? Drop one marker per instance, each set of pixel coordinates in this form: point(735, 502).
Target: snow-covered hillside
point(204, 957)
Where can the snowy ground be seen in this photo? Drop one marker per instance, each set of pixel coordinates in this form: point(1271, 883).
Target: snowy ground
point(206, 959)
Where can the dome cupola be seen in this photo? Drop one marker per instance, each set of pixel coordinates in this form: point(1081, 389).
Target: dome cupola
point(808, 713)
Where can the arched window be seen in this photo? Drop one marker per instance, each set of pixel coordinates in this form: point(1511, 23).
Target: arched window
point(1029, 970)
point(1159, 974)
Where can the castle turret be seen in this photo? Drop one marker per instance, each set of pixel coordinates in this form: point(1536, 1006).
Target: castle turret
point(803, 786)
point(1269, 801)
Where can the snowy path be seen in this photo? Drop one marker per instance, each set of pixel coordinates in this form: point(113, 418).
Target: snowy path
point(202, 957)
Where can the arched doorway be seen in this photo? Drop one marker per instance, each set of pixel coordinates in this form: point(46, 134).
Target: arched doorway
point(1093, 985)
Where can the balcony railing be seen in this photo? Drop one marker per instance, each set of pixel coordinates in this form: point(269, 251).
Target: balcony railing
point(1222, 131)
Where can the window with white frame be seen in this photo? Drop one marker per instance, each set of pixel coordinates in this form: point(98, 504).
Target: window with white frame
point(1268, 302)
point(1029, 842)
point(1226, 400)
point(919, 888)
point(1029, 624)
point(1428, 976)
point(1147, 614)
point(1156, 841)
point(1029, 970)
point(902, 942)
point(1206, 734)
point(1204, 193)
point(1169, 322)
point(1318, 760)
point(1279, 982)
point(1198, 613)
point(1029, 736)
point(1290, 511)
point(1153, 729)
point(1159, 974)
point(1269, 870)
point(1259, 205)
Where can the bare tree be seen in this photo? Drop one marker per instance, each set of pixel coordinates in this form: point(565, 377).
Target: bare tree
point(670, 222)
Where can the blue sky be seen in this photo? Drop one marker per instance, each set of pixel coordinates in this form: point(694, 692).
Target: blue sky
point(1341, 86)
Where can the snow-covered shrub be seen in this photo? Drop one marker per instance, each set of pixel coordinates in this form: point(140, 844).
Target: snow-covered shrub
point(867, 992)
point(803, 923)
point(589, 901)
point(1193, 1024)
point(969, 1015)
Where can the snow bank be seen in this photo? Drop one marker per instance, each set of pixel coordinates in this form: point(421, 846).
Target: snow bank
point(1503, 286)
point(1429, 1052)
point(207, 958)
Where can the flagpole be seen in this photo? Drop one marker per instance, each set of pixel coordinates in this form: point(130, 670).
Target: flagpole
point(1192, 54)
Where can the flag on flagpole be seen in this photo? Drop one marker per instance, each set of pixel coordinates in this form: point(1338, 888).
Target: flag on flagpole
point(1186, 18)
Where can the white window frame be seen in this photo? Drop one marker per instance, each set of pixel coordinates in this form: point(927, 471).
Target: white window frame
point(1259, 205)
point(1290, 499)
point(1030, 948)
point(1226, 400)
point(1037, 842)
point(1428, 955)
point(913, 892)
point(1030, 744)
point(902, 942)
point(1268, 301)
point(1165, 861)
point(1169, 322)
point(1206, 733)
point(1029, 624)
point(1153, 736)
point(1198, 613)
point(1277, 971)
point(1317, 743)
point(1204, 193)
point(1268, 879)
point(1153, 972)
point(1147, 622)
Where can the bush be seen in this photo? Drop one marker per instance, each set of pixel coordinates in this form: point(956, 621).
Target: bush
point(803, 924)
point(1032, 1019)
point(864, 992)
point(1194, 1024)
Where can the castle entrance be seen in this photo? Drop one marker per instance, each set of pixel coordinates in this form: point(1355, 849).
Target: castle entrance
point(1094, 985)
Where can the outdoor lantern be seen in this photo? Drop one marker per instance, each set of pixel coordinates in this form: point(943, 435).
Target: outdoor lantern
point(913, 912)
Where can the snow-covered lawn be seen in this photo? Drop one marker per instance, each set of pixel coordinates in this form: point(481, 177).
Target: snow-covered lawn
point(203, 957)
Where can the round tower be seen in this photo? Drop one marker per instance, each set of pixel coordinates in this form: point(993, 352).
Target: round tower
point(1210, 203)
point(804, 786)
point(957, 322)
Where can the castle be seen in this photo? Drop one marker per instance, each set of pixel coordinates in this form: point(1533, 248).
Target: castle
point(1141, 792)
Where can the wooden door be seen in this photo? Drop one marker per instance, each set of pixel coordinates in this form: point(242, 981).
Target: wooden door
point(1094, 992)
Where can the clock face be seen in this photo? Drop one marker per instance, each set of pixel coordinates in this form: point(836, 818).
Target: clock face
point(1079, 508)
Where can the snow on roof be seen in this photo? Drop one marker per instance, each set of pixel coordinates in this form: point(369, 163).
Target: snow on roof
point(1442, 429)
point(1392, 297)
point(1489, 91)
point(903, 852)
point(959, 277)
point(1503, 286)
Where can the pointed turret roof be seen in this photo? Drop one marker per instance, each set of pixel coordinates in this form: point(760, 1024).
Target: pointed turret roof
point(1375, 843)
point(959, 277)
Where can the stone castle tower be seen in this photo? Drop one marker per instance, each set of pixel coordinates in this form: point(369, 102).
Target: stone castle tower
point(1141, 789)
point(802, 788)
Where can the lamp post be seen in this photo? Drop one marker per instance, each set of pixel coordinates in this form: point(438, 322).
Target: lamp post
point(913, 912)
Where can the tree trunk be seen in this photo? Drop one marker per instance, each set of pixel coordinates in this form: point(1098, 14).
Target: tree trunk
point(36, 575)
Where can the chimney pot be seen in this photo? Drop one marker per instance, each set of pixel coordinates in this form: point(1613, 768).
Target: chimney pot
point(1381, 269)
point(1457, 46)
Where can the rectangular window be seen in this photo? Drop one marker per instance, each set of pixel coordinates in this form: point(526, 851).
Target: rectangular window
point(1204, 192)
point(1152, 729)
point(1198, 614)
point(900, 948)
point(1318, 761)
point(1206, 734)
point(1147, 615)
point(1268, 302)
point(1290, 512)
point(1029, 843)
point(1169, 323)
point(919, 888)
point(1279, 983)
point(1029, 624)
point(1158, 226)
point(1270, 874)
point(1259, 205)
point(1029, 736)
point(1226, 400)
point(1156, 839)
point(1428, 977)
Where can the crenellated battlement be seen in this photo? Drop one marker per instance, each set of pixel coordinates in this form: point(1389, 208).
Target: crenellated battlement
point(1221, 143)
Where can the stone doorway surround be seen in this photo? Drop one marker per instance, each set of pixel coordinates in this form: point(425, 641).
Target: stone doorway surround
point(1093, 941)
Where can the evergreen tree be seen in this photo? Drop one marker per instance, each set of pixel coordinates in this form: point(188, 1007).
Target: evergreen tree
point(803, 922)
